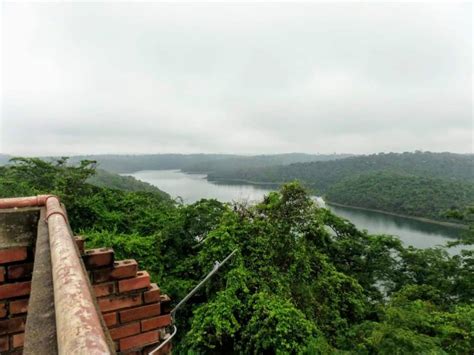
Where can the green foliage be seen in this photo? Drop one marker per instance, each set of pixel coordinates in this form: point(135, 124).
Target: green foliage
point(103, 178)
point(302, 281)
point(31, 176)
point(418, 326)
point(144, 249)
point(406, 194)
point(276, 325)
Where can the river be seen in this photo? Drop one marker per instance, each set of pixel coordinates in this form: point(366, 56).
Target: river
point(193, 187)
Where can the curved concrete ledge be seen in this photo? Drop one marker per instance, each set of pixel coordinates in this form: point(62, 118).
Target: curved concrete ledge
point(78, 326)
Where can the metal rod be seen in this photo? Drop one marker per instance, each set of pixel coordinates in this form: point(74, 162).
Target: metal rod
point(216, 267)
point(165, 342)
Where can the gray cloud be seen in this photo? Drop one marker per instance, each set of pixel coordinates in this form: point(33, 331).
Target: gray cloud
point(147, 77)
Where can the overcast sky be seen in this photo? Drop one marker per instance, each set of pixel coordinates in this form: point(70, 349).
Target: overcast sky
point(269, 78)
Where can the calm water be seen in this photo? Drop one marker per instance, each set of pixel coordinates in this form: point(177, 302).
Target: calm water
point(192, 187)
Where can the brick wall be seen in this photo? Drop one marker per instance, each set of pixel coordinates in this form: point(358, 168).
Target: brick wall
point(134, 310)
point(16, 266)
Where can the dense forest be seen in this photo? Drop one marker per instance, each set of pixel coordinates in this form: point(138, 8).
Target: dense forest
point(303, 281)
point(421, 184)
point(408, 195)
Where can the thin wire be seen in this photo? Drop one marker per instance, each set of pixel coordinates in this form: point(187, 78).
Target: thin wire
point(216, 267)
point(165, 342)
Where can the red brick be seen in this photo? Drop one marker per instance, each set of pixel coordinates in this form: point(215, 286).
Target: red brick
point(114, 303)
point(139, 340)
point(156, 322)
point(13, 325)
point(125, 331)
point(152, 295)
point(105, 289)
point(3, 310)
point(165, 303)
point(80, 241)
point(2, 273)
point(121, 270)
point(20, 271)
point(18, 340)
point(142, 280)
point(19, 306)
point(15, 289)
point(98, 257)
point(140, 312)
point(4, 346)
point(13, 254)
point(110, 319)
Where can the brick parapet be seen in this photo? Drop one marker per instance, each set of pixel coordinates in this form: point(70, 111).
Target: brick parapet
point(133, 308)
point(15, 286)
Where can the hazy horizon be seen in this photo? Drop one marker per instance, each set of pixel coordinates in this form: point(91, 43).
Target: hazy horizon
point(134, 78)
point(224, 153)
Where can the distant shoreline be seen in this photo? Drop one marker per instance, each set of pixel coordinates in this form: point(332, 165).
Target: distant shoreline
point(421, 219)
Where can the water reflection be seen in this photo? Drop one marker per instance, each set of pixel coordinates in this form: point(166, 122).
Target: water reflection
point(193, 187)
point(412, 232)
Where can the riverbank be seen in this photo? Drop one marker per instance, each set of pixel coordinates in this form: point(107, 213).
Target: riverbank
point(421, 219)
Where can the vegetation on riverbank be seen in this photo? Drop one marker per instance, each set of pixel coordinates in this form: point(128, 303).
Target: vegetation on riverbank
point(448, 223)
point(303, 281)
point(408, 195)
point(103, 178)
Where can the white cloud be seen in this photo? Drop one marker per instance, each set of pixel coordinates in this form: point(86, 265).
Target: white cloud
point(141, 77)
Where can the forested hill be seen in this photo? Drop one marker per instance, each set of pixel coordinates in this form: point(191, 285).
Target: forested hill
point(103, 178)
point(409, 195)
point(247, 162)
point(192, 163)
point(199, 163)
point(320, 175)
point(415, 184)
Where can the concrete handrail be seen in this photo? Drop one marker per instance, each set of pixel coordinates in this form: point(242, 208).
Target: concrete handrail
point(78, 326)
point(18, 202)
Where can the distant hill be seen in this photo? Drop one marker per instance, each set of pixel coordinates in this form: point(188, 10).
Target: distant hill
point(192, 163)
point(419, 184)
point(202, 163)
point(322, 174)
point(104, 178)
point(410, 195)
point(229, 164)
point(132, 163)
